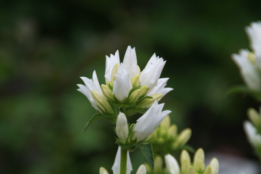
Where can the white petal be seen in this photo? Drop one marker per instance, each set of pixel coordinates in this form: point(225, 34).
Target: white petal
point(110, 62)
point(122, 84)
point(248, 70)
point(172, 164)
point(160, 87)
point(141, 170)
point(116, 165)
point(149, 121)
point(252, 135)
point(151, 73)
point(130, 62)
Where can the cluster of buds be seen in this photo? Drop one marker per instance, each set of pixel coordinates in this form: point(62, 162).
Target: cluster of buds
point(166, 139)
point(186, 167)
point(250, 62)
point(145, 125)
point(126, 85)
point(253, 130)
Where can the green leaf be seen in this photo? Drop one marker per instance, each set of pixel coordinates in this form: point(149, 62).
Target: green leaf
point(238, 89)
point(188, 148)
point(146, 150)
point(94, 118)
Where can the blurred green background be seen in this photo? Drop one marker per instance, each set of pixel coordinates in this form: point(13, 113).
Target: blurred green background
point(45, 46)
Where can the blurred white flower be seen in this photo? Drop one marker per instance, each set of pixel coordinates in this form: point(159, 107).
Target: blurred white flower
point(248, 69)
point(110, 63)
point(130, 62)
point(171, 164)
point(90, 84)
point(253, 137)
point(117, 163)
point(149, 121)
point(254, 34)
point(122, 129)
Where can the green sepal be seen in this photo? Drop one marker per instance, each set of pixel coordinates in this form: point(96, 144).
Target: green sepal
point(146, 150)
point(94, 118)
point(188, 148)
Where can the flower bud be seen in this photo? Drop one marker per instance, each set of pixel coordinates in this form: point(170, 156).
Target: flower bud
point(158, 163)
point(135, 81)
point(101, 102)
point(141, 170)
point(254, 117)
point(214, 164)
point(147, 166)
point(252, 58)
point(143, 90)
point(165, 123)
point(208, 170)
point(103, 171)
point(135, 95)
point(184, 136)
point(172, 164)
point(146, 103)
point(114, 71)
point(122, 129)
point(107, 92)
point(199, 158)
point(172, 132)
point(191, 170)
point(185, 161)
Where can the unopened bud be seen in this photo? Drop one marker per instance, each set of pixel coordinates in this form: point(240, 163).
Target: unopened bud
point(147, 166)
point(158, 163)
point(103, 171)
point(107, 92)
point(101, 102)
point(191, 170)
point(135, 95)
point(185, 161)
point(135, 81)
point(171, 164)
point(143, 90)
point(199, 159)
point(208, 170)
point(122, 129)
point(138, 70)
point(254, 117)
point(172, 132)
point(114, 71)
point(165, 122)
point(214, 164)
point(141, 170)
point(184, 136)
point(252, 57)
point(147, 102)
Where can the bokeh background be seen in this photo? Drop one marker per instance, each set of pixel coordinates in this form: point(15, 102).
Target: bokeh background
point(45, 46)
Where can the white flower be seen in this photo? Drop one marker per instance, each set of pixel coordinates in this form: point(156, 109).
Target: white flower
point(254, 34)
point(171, 164)
point(117, 163)
point(90, 84)
point(248, 69)
point(122, 84)
point(160, 87)
point(122, 129)
point(253, 137)
point(130, 62)
point(150, 75)
point(110, 62)
point(141, 170)
point(149, 121)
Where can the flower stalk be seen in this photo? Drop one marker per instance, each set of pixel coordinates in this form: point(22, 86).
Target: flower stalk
point(123, 165)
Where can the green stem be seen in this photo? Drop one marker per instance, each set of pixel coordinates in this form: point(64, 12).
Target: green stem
point(123, 168)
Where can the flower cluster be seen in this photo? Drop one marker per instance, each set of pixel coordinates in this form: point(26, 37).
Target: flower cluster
point(186, 167)
point(250, 62)
point(166, 139)
point(126, 85)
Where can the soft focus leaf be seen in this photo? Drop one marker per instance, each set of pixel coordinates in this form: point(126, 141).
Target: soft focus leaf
point(94, 118)
point(146, 150)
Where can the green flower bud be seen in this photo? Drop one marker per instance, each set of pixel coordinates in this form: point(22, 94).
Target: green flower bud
point(103, 171)
point(172, 132)
point(146, 103)
point(158, 163)
point(185, 161)
point(254, 117)
point(199, 159)
point(102, 103)
point(252, 57)
point(114, 71)
point(208, 170)
point(135, 81)
point(184, 136)
point(191, 170)
point(135, 95)
point(107, 92)
point(165, 123)
point(214, 164)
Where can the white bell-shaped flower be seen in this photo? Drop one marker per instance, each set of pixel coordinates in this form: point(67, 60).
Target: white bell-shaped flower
point(248, 70)
point(150, 75)
point(122, 84)
point(122, 129)
point(254, 34)
point(110, 63)
point(253, 137)
point(90, 84)
point(117, 163)
point(171, 164)
point(141, 170)
point(149, 121)
point(130, 62)
point(160, 87)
